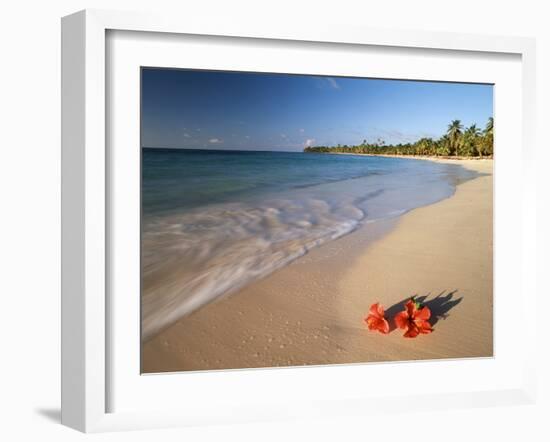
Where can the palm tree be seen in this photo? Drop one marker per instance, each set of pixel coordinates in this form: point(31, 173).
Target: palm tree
point(489, 127)
point(474, 130)
point(424, 146)
point(471, 141)
point(443, 146)
point(456, 141)
point(454, 132)
point(488, 136)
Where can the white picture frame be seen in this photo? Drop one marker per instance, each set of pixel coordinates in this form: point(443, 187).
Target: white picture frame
point(87, 321)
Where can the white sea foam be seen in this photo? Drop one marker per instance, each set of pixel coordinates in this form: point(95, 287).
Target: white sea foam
point(193, 258)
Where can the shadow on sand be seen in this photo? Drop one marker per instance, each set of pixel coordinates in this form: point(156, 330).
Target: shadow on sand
point(439, 306)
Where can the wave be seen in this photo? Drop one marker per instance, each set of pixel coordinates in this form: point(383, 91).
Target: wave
point(189, 260)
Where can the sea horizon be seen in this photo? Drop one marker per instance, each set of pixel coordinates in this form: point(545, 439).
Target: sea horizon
point(226, 149)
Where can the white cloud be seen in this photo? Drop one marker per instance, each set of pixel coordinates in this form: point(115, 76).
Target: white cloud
point(309, 142)
point(186, 135)
point(332, 82)
point(302, 131)
point(214, 141)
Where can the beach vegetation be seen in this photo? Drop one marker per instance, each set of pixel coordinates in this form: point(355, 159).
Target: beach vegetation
point(456, 142)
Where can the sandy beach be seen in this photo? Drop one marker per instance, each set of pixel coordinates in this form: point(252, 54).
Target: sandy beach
point(311, 311)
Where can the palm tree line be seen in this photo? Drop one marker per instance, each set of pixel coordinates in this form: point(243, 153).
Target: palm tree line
point(457, 142)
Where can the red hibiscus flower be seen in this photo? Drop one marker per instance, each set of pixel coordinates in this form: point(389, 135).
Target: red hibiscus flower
point(375, 320)
point(414, 319)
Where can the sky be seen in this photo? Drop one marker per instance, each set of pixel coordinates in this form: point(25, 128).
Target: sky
point(254, 111)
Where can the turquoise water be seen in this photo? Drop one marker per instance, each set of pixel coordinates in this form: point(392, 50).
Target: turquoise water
point(180, 179)
point(214, 221)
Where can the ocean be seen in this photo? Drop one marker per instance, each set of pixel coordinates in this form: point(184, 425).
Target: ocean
point(213, 221)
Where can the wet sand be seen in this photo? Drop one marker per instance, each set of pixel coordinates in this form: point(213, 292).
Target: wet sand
point(311, 312)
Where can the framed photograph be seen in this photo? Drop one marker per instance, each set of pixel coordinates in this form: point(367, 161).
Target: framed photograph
point(259, 220)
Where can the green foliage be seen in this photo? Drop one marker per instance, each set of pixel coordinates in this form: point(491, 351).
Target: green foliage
point(456, 142)
point(471, 142)
point(455, 136)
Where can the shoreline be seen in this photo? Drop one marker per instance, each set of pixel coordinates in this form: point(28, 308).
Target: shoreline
point(290, 319)
point(444, 158)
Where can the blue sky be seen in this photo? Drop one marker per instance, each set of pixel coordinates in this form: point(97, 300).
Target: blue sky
point(250, 111)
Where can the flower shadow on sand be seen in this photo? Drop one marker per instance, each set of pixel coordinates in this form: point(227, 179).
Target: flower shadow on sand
point(439, 306)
